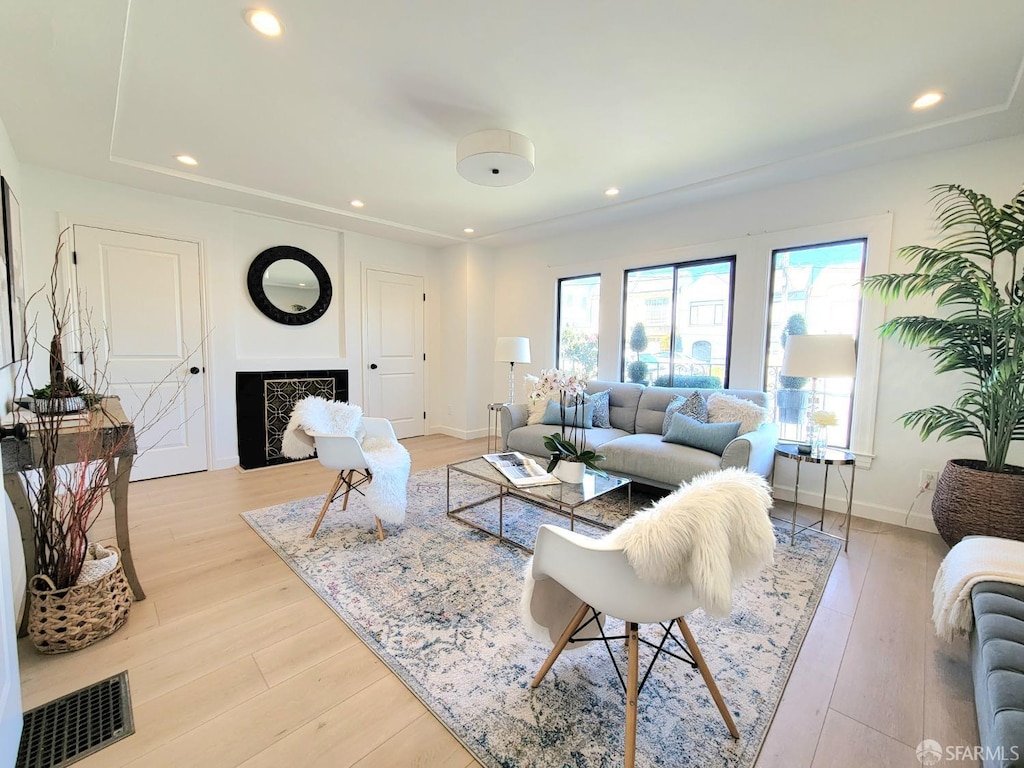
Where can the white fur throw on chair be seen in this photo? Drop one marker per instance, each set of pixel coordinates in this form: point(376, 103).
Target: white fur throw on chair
point(712, 533)
point(387, 460)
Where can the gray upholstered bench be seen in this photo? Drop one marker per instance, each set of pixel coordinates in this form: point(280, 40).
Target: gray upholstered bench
point(997, 658)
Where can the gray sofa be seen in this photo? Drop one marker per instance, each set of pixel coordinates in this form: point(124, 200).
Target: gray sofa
point(633, 447)
point(997, 659)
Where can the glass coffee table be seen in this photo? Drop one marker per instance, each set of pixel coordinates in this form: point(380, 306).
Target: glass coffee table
point(561, 498)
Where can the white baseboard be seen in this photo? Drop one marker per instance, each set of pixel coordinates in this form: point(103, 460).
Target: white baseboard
point(461, 434)
point(225, 463)
point(919, 519)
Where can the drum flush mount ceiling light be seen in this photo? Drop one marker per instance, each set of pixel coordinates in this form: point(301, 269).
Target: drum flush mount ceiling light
point(495, 158)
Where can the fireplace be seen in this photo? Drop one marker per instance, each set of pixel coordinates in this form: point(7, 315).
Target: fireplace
point(264, 402)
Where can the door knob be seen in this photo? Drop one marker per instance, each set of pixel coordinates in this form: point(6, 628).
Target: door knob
point(373, 366)
point(193, 369)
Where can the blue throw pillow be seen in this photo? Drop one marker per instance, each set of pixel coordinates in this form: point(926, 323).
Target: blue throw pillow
point(693, 406)
point(706, 437)
point(602, 413)
point(553, 415)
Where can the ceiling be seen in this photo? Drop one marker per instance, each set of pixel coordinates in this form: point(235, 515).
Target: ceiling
point(672, 101)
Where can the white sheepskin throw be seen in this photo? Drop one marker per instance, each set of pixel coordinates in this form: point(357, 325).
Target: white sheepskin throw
point(318, 415)
point(724, 408)
point(390, 464)
point(713, 533)
point(973, 560)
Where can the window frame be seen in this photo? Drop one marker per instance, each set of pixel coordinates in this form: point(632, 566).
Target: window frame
point(558, 315)
point(673, 312)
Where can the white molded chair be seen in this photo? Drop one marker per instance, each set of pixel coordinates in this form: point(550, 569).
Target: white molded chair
point(598, 574)
point(344, 453)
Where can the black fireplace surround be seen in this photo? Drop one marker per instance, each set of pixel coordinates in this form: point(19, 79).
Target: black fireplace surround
point(264, 403)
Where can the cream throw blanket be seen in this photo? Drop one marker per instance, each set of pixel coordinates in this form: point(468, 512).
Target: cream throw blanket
point(969, 562)
point(387, 460)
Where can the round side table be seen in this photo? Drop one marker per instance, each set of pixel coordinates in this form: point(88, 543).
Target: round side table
point(494, 427)
point(833, 458)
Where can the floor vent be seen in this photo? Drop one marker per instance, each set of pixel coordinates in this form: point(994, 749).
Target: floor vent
point(78, 724)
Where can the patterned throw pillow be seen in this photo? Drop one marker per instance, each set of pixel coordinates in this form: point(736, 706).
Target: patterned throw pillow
point(726, 408)
point(692, 406)
point(573, 415)
point(602, 414)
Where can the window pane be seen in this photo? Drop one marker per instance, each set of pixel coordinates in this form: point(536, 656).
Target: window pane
point(814, 290)
point(677, 324)
point(579, 304)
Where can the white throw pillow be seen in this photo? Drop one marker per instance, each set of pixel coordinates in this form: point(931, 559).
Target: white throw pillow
point(725, 408)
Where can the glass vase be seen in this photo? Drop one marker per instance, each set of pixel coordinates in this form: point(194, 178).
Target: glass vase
point(819, 441)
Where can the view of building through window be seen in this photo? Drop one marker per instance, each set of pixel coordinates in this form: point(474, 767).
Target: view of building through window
point(814, 289)
point(677, 321)
point(579, 305)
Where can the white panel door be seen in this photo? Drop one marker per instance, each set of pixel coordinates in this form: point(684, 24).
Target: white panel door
point(142, 295)
point(394, 372)
point(10, 682)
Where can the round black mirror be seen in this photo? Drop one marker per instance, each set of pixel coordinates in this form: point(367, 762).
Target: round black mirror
point(289, 285)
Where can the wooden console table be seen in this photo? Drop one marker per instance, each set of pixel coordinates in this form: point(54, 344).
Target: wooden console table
point(75, 443)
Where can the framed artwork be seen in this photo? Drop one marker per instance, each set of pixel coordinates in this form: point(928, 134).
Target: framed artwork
point(15, 271)
point(6, 338)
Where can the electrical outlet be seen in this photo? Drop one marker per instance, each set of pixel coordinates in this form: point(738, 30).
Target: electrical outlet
point(928, 479)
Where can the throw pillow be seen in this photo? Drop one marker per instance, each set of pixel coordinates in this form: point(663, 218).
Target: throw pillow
point(707, 437)
point(536, 402)
point(583, 418)
point(725, 408)
point(692, 406)
point(602, 414)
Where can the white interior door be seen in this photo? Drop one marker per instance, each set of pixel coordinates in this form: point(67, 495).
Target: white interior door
point(394, 366)
point(142, 295)
point(12, 564)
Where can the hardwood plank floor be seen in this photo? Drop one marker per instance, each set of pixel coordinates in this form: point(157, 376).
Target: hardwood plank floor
point(233, 661)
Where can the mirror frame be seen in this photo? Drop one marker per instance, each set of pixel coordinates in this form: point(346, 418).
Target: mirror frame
point(254, 281)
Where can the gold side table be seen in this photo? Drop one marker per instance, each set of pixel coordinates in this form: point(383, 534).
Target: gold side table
point(494, 427)
point(833, 458)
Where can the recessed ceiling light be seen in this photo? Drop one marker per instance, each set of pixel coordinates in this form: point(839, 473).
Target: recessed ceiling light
point(611, 191)
point(263, 22)
point(469, 230)
point(186, 159)
point(357, 203)
point(926, 100)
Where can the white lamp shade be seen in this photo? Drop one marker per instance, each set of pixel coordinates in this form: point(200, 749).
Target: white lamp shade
point(512, 349)
point(822, 356)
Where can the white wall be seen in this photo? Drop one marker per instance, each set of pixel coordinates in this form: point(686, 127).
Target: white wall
point(239, 336)
point(10, 168)
point(525, 291)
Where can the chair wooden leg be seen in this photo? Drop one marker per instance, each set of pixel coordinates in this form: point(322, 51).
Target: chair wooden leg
point(327, 503)
point(348, 489)
point(691, 643)
point(563, 641)
point(632, 679)
point(380, 529)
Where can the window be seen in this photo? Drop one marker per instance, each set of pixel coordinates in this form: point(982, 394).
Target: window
point(579, 304)
point(659, 346)
point(814, 289)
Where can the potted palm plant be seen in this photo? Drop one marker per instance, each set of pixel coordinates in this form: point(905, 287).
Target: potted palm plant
point(976, 274)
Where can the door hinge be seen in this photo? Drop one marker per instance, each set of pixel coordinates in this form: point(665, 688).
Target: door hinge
point(424, 414)
point(74, 257)
point(424, 355)
point(424, 297)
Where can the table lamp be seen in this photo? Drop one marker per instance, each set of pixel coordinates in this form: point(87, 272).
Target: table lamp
point(819, 356)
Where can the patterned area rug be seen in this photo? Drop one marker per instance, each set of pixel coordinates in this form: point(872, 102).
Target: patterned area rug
point(438, 602)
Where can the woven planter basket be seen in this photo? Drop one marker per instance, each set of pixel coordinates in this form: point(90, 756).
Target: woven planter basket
point(970, 501)
point(71, 619)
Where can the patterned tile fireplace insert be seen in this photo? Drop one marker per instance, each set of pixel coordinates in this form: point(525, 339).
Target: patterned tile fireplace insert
point(264, 403)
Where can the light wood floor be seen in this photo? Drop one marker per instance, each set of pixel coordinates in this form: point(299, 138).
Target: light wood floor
point(232, 660)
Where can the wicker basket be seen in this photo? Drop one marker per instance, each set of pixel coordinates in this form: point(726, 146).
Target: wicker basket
point(71, 619)
point(970, 501)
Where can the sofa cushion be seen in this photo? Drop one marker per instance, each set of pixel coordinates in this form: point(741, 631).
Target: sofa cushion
point(530, 439)
point(725, 408)
point(581, 417)
point(697, 434)
point(693, 406)
point(622, 402)
point(646, 456)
